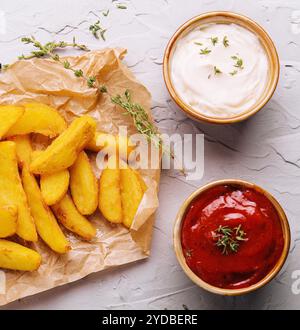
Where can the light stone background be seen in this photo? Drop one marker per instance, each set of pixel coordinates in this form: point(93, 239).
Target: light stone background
point(265, 149)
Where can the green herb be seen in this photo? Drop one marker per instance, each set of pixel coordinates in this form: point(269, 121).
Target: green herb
point(225, 42)
point(3, 67)
point(105, 13)
point(239, 63)
point(198, 43)
point(91, 81)
point(49, 48)
point(205, 51)
point(67, 64)
point(229, 239)
point(97, 30)
point(233, 73)
point(239, 233)
point(120, 6)
point(140, 117)
point(78, 73)
point(217, 70)
point(214, 40)
point(103, 89)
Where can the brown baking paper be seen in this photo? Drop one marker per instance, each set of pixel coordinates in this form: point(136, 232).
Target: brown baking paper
point(46, 81)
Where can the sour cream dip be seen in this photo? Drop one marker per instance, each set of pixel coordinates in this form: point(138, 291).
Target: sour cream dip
point(220, 70)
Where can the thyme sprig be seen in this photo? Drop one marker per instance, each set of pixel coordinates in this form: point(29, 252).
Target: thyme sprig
point(48, 49)
point(229, 239)
point(140, 117)
point(97, 30)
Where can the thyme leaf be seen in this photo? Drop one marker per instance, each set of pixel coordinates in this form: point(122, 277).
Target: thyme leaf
point(205, 51)
point(120, 6)
point(217, 70)
point(239, 63)
point(225, 42)
point(214, 40)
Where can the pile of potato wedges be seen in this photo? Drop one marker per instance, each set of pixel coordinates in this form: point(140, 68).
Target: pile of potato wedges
point(42, 191)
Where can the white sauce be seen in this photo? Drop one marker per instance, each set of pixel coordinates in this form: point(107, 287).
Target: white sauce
point(222, 94)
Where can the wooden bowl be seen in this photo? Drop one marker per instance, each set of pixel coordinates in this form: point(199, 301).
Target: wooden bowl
point(199, 281)
point(224, 17)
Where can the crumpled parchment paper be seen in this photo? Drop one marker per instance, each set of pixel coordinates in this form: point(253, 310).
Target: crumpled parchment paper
point(45, 81)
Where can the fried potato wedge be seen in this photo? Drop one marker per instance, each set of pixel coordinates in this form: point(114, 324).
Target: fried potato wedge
point(17, 257)
point(12, 192)
point(38, 118)
point(83, 185)
point(9, 115)
point(46, 224)
point(110, 203)
point(66, 212)
point(8, 221)
point(113, 144)
point(54, 186)
point(131, 194)
point(23, 148)
point(63, 151)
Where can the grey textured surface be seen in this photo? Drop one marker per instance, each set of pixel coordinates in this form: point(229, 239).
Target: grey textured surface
point(265, 149)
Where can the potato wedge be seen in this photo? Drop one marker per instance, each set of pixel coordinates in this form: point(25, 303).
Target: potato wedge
point(112, 143)
point(54, 186)
point(68, 215)
point(12, 193)
point(83, 185)
point(24, 149)
point(63, 151)
point(8, 220)
point(38, 118)
point(17, 257)
point(9, 115)
point(131, 195)
point(110, 203)
point(45, 222)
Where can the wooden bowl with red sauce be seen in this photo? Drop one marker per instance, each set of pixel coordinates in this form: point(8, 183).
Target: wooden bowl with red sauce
point(231, 237)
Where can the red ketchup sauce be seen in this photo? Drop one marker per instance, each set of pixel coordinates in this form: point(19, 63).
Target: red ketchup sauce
point(241, 210)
